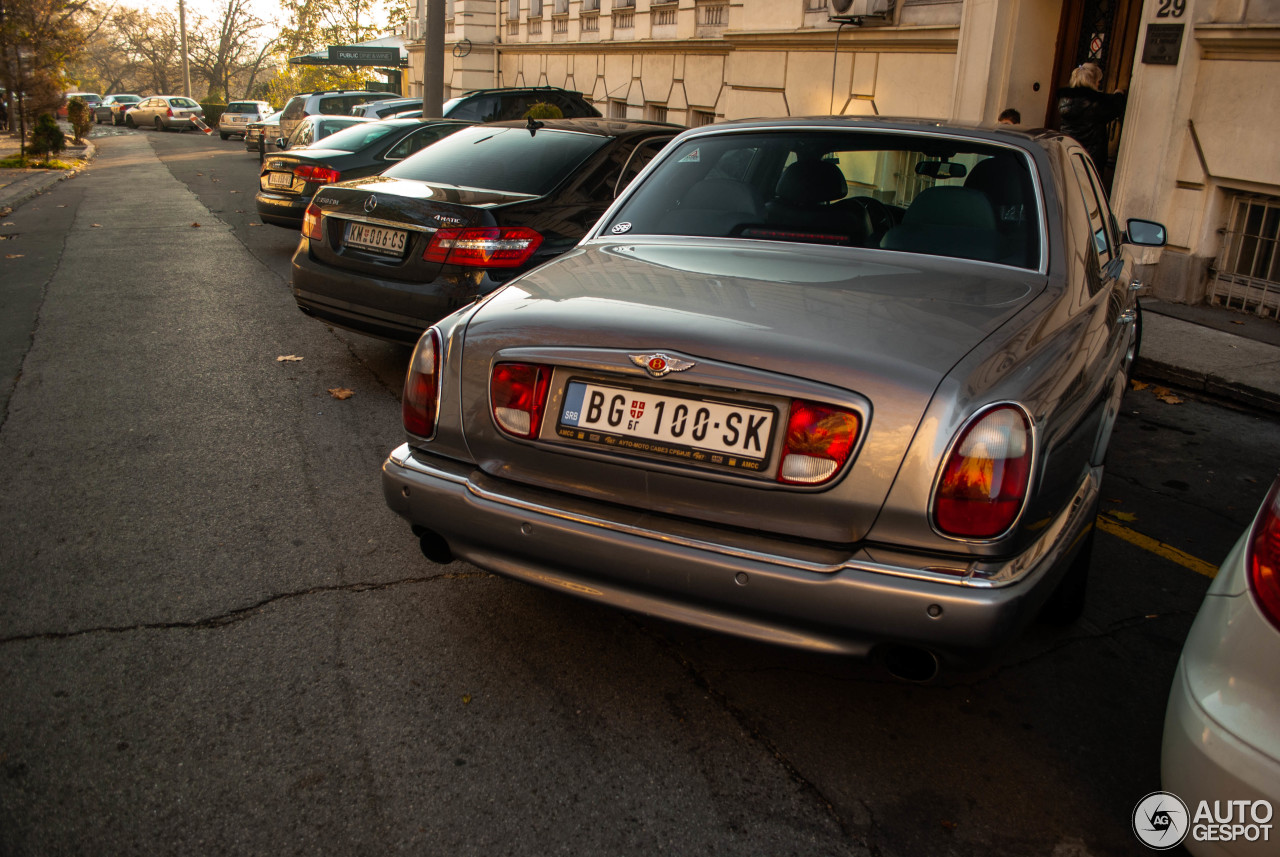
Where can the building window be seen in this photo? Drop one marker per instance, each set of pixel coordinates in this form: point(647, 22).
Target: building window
point(713, 15)
point(1247, 275)
point(665, 16)
point(700, 117)
point(624, 4)
point(617, 110)
point(513, 10)
point(655, 112)
point(559, 25)
point(562, 7)
point(590, 5)
point(590, 23)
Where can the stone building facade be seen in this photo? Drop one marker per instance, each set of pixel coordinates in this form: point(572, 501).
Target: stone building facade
point(1198, 148)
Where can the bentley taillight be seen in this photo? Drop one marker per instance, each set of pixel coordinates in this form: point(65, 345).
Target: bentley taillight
point(984, 480)
point(518, 396)
point(819, 440)
point(421, 399)
point(313, 173)
point(1262, 558)
point(311, 222)
point(483, 247)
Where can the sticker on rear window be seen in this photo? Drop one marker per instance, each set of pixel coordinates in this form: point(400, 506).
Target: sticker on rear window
point(693, 157)
point(619, 228)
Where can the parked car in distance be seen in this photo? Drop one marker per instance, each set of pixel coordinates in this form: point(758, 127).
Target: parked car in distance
point(313, 129)
point(336, 102)
point(164, 113)
point(90, 99)
point(291, 178)
point(390, 254)
point(385, 109)
point(1222, 726)
point(505, 103)
point(236, 117)
point(832, 383)
point(113, 108)
point(267, 131)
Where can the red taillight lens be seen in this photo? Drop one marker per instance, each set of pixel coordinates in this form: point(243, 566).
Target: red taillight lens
point(483, 247)
point(311, 222)
point(421, 396)
point(312, 173)
point(169, 112)
point(984, 481)
point(819, 440)
point(1262, 557)
point(518, 395)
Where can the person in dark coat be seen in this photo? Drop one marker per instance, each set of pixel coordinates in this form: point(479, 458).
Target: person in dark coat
point(1086, 111)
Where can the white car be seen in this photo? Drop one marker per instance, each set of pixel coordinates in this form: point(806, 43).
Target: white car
point(1221, 753)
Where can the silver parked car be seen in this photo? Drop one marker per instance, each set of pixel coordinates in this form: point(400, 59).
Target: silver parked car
point(838, 384)
point(1222, 728)
point(236, 117)
point(164, 113)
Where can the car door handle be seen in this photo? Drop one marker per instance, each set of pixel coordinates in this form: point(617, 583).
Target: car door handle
point(1127, 317)
point(1134, 285)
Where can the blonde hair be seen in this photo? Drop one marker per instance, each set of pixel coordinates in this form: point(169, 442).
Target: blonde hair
point(1087, 74)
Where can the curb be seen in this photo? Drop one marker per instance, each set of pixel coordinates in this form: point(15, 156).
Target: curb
point(36, 181)
point(1207, 384)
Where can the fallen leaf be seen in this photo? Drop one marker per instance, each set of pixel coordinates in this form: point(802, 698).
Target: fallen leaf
point(1168, 398)
point(1139, 385)
point(1114, 500)
point(199, 174)
point(341, 392)
point(11, 224)
point(949, 825)
point(288, 358)
point(195, 224)
point(62, 206)
point(466, 699)
point(1237, 322)
point(1127, 517)
point(255, 224)
point(235, 191)
point(1152, 616)
point(96, 225)
point(14, 255)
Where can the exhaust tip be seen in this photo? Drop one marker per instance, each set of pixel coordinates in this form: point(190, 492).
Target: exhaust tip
point(910, 663)
point(433, 546)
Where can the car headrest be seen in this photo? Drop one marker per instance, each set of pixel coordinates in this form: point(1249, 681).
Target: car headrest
point(811, 182)
point(721, 195)
point(951, 206)
point(999, 178)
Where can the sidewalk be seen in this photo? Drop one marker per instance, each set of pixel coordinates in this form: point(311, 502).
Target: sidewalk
point(1214, 352)
point(18, 186)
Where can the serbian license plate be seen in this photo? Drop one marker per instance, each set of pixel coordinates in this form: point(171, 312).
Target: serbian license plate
point(701, 431)
point(280, 179)
point(375, 238)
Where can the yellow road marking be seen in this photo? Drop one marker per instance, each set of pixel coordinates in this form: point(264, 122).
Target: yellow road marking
point(1182, 558)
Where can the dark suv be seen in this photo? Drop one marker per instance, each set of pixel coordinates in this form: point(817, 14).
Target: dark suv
point(511, 102)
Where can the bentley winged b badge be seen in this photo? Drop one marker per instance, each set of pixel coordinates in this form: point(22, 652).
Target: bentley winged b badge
point(660, 364)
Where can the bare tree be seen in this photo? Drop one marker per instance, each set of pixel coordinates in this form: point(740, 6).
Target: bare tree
point(227, 48)
point(150, 41)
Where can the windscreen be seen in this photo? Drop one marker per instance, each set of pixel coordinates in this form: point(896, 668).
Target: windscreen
point(505, 159)
point(353, 138)
point(908, 192)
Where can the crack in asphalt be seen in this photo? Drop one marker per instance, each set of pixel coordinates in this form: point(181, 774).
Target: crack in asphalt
point(744, 723)
point(240, 614)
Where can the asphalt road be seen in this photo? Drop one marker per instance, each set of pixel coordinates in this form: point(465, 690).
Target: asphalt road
point(215, 638)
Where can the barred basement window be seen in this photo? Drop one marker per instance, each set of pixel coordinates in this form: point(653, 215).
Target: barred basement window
point(1247, 275)
point(713, 15)
point(590, 23)
point(700, 117)
point(655, 112)
point(617, 110)
point(664, 17)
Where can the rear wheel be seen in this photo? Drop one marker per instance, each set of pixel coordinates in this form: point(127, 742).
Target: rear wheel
point(1066, 604)
point(159, 124)
point(129, 123)
point(223, 136)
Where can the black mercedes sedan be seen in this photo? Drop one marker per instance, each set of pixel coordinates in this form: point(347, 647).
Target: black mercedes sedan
point(391, 254)
point(289, 179)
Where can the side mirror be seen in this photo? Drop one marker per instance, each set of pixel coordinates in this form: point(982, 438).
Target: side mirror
point(280, 143)
point(1145, 233)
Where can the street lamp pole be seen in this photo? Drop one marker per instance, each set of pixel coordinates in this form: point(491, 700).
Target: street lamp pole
point(433, 61)
point(186, 66)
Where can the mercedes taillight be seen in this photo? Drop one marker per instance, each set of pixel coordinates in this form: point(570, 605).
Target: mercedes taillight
point(311, 222)
point(985, 478)
point(421, 399)
point(483, 247)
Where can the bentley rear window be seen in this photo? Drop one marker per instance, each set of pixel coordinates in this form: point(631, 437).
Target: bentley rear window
point(906, 192)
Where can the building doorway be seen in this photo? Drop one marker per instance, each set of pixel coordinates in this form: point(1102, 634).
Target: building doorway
point(1103, 32)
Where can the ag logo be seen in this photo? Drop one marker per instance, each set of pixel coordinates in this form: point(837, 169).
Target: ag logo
point(1161, 821)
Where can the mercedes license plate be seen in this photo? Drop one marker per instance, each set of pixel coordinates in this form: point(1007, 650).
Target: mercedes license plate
point(375, 238)
point(697, 430)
